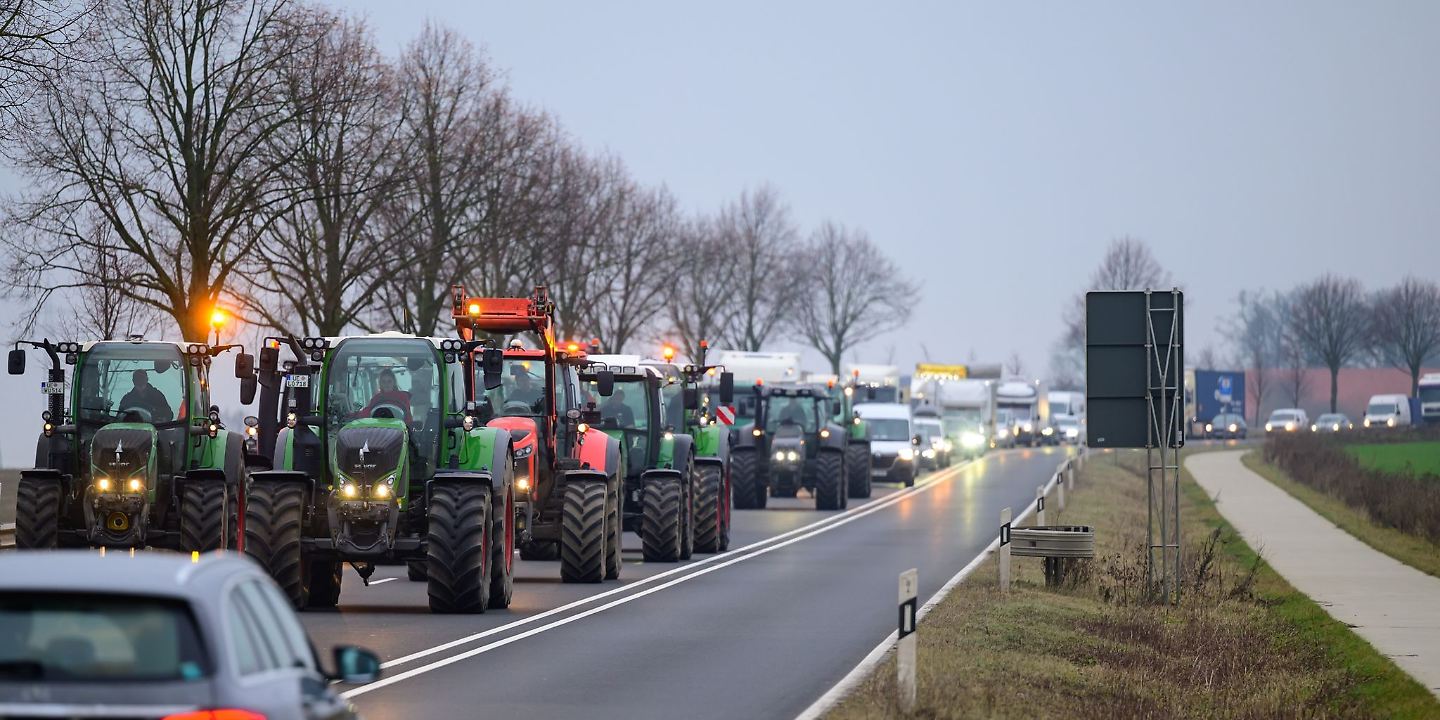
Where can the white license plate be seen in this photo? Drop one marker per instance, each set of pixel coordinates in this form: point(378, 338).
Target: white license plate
point(52, 388)
point(299, 381)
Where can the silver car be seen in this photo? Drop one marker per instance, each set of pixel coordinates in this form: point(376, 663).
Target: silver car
point(159, 635)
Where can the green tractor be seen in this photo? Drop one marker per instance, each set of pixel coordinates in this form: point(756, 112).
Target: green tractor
point(857, 441)
point(375, 455)
point(793, 443)
point(661, 478)
point(132, 453)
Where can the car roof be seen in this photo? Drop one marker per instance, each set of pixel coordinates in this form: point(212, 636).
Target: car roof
point(1292, 411)
point(154, 573)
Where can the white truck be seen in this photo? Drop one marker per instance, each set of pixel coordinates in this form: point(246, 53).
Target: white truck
point(1429, 396)
point(880, 383)
point(755, 368)
point(1067, 416)
point(1022, 407)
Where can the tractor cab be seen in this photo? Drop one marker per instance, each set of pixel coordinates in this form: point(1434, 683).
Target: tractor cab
point(132, 453)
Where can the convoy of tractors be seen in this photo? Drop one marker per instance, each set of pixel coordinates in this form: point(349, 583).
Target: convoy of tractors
point(445, 454)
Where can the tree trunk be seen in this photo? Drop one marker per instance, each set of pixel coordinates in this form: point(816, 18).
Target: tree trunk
point(1414, 381)
point(1334, 386)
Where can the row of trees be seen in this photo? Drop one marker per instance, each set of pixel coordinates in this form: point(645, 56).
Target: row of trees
point(1334, 322)
point(263, 155)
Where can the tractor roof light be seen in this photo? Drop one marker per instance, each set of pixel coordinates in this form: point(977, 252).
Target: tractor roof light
point(668, 352)
point(473, 308)
point(218, 316)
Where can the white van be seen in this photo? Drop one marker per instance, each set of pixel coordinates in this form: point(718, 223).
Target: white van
point(1287, 420)
point(1387, 411)
point(893, 448)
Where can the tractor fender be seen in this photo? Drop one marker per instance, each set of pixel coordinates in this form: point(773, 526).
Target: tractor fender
point(681, 453)
point(290, 476)
point(661, 474)
point(745, 437)
point(837, 438)
point(284, 445)
point(600, 450)
point(498, 483)
point(485, 449)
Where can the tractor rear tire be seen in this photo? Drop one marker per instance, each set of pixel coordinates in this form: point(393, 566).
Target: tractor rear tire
point(204, 511)
point(324, 583)
point(744, 473)
point(274, 513)
point(415, 570)
point(857, 464)
point(615, 531)
point(708, 510)
point(829, 480)
point(540, 551)
point(583, 537)
point(502, 562)
point(662, 518)
point(37, 514)
point(458, 552)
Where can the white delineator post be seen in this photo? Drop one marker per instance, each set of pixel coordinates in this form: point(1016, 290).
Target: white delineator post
point(1040, 506)
point(1070, 476)
point(1005, 550)
point(1060, 490)
point(905, 654)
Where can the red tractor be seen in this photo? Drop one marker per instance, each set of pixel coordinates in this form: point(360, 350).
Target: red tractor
point(568, 475)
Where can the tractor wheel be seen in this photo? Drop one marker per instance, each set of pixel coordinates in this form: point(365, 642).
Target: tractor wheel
point(708, 511)
point(502, 564)
point(615, 531)
point(727, 508)
point(583, 537)
point(539, 550)
point(857, 464)
point(415, 570)
point(324, 583)
point(457, 562)
point(687, 514)
point(829, 480)
point(273, 516)
point(744, 473)
point(204, 510)
point(662, 521)
point(37, 514)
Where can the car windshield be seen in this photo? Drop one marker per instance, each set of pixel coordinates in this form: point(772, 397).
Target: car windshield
point(892, 429)
point(927, 430)
point(88, 637)
point(133, 383)
point(1382, 409)
point(1330, 419)
point(392, 378)
point(1285, 416)
point(802, 411)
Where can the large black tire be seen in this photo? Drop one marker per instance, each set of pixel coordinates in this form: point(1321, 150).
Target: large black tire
point(708, 510)
point(204, 516)
point(37, 514)
point(502, 573)
point(615, 531)
point(857, 467)
point(325, 578)
point(662, 520)
point(750, 492)
point(540, 550)
point(829, 480)
point(457, 562)
point(415, 570)
point(583, 537)
point(274, 513)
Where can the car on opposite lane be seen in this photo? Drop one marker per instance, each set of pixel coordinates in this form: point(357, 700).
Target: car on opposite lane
point(160, 635)
point(1287, 420)
point(1228, 426)
point(1332, 423)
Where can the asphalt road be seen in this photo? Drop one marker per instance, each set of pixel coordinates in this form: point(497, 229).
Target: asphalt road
point(760, 631)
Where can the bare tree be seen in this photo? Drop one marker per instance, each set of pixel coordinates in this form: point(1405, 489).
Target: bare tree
point(761, 238)
point(100, 310)
point(1128, 264)
point(1405, 326)
point(850, 292)
point(37, 39)
point(1015, 365)
point(1329, 322)
point(322, 259)
point(698, 305)
point(643, 252)
point(1256, 332)
point(161, 134)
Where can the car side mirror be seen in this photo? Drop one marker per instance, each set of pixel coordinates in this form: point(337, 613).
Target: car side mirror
point(247, 389)
point(727, 388)
point(492, 363)
point(356, 665)
point(244, 365)
point(691, 398)
point(605, 383)
point(17, 362)
point(915, 440)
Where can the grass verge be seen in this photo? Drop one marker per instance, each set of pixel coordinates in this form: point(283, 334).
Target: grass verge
point(1419, 459)
point(1243, 644)
point(1413, 550)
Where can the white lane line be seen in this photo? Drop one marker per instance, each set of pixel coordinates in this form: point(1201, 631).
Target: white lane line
point(658, 576)
point(730, 559)
point(382, 581)
point(847, 684)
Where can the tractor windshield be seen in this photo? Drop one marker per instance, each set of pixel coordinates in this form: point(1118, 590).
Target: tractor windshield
point(522, 388)
point(625, 408)
point(672, 401)
point(801, 410)
point(132, 383)
point(386, 378)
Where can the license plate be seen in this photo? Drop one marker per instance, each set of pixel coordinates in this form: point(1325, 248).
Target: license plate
point(299, 381)
point(54, 387)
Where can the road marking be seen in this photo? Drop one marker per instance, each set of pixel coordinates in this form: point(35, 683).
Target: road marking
point(731, 558)
point(382, 581)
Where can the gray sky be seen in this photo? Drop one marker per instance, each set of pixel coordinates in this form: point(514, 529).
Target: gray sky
point(995, 149)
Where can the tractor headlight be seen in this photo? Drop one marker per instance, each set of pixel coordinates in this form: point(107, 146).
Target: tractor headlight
point(135, 485)
point(792, 456)
point(757, 432)
point(349, 491)
point(824, 432)
point(780, 455)
point(381, 491)
point(103, 484)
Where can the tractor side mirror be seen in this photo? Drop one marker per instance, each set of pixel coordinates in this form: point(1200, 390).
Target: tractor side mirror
point(691, 397)
point(244, 365)
point(247, 389)
point(492, 362)
point(605, 383)
point(17, 362)
point(252, 421)
point(269, 360)
point(727, 388)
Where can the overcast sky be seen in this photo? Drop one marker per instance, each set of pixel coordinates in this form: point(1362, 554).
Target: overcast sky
point(994, 150)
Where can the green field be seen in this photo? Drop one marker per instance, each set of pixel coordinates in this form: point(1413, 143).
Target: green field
point(1414, 458)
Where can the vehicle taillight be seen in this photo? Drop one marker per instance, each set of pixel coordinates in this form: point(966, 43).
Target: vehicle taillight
point(220, 714)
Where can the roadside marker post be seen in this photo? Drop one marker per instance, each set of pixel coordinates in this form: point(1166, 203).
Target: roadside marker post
point(1005, 551)
point(1040, 506)
point(905, 656)
point(1060, 491)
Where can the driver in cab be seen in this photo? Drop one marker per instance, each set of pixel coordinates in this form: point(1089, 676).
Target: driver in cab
point(147, 397)
point(792, 414)
point(388, 397)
